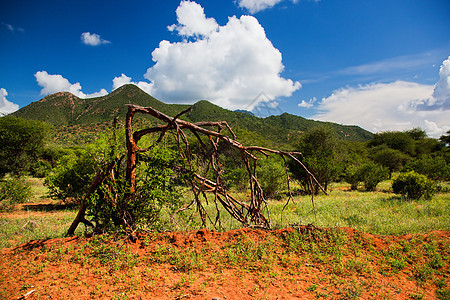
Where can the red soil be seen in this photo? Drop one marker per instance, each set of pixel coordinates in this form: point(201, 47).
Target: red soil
point(206, 264)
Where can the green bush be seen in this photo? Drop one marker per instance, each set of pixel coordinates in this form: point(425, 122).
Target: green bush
point(74, 172)
point(156, 192)
point(12, 191)
point(236, 178)
point(414, 186)
point(41, 169)
point(371, 174)
point(271, 176)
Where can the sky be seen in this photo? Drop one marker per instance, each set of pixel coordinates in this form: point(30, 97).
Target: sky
point(383, 65)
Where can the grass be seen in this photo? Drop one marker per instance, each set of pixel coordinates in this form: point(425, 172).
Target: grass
point(39, 218)
point(380, 212)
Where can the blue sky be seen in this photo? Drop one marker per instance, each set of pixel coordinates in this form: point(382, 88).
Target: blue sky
point(382, 65)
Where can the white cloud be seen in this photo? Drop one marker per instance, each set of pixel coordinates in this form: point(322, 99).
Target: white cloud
point(228, 65)
point(192, 20)
point(124, 79)
point(92, 39)
point(307, 104)
point(56, 83)
point(254, 6)
point(6, 107)
point(441, 91)
point(384, 106)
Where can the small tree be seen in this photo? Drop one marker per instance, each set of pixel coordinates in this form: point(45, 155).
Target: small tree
point(412, 185)
point(74, 171)
point(271, 176)
point(392, 159)
point(21, 141)
point(322, 155)
point(371, 174)
point(435, 168)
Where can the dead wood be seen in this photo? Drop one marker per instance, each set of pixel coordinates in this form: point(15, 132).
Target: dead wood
point(248, 213)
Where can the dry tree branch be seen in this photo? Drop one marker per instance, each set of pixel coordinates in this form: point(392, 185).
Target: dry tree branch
point(247, 214)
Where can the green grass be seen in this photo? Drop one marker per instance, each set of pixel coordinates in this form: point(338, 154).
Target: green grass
point(40, 221)
point(374, 212)
point(380, 212)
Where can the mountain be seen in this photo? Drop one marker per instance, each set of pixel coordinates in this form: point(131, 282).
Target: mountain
point(70, 114)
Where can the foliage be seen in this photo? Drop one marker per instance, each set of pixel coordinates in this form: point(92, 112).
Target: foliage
point(445, 139)
point(390, 158)
point(21, 141)
point(271, 176)
point(13, 190)
point(156, 191)
point(434, 167)
point(74, 172)
point(397, 140)
point(352, 176)
point(414, 186)
point(322, 155)
point(40, 169)
point(371, 174)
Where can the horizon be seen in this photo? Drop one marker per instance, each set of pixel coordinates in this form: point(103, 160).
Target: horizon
point(379, 65)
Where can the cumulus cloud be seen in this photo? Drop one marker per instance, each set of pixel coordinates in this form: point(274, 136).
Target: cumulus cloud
point(6, 107)
point(307, 104)
point(56, 83)
point(192, 20)
point(398, 105)
point(228, 65)
point(441, 92)
point(254, 6)
point(124, 79)
point(92, 39)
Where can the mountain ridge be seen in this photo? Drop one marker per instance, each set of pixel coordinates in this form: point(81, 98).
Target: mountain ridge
point(65, 109)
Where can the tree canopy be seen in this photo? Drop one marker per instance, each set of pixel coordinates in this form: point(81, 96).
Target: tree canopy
point(21, 141)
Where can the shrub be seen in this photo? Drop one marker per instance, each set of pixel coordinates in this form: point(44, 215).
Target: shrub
point(12, 191)
point(435, 168)
point(41, 169)
point(371, 174)
point(351, 176)
point(74, 172)
point(237, 178)
point(271, 176)
point(72, 176)
point(414, 186)
point(156, 191)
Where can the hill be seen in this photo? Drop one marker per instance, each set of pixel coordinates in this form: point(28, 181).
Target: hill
point(69, 113)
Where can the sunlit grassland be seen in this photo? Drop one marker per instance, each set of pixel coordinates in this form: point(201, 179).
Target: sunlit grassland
point(380, 212)
point(38, 218)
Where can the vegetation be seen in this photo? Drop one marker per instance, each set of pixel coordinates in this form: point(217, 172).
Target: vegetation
point(22, 141)
point(86, 118)
point(12, 191)
point(331, 158)
point(414, 186)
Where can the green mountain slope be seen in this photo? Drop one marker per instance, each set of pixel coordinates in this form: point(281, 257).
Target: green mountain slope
point(66, 111)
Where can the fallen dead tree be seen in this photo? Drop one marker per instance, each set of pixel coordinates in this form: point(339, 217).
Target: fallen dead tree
point(248, 213)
